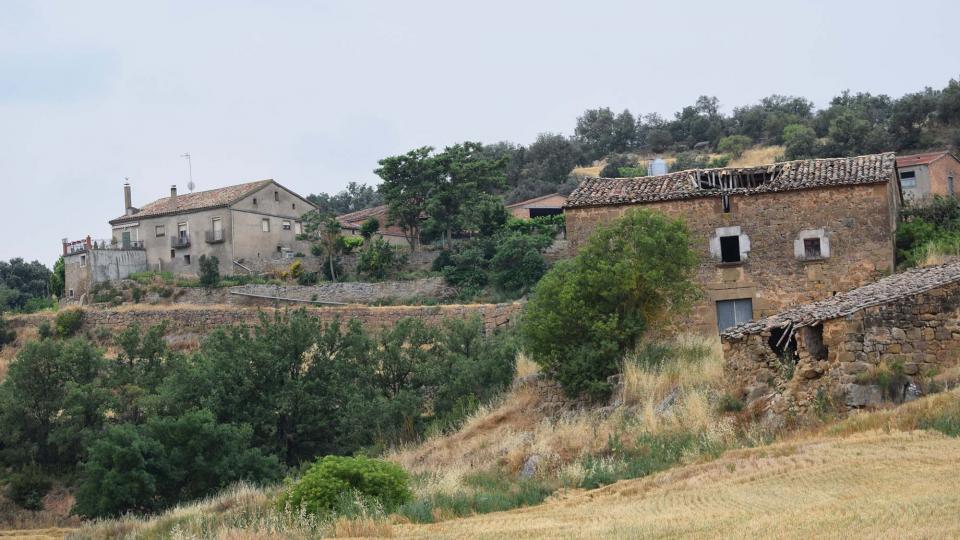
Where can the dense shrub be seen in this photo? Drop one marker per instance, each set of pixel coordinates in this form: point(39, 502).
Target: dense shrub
point(308, 278)
point(7, 334)
point(68, 322)
point(379, 259)
point(734, 145)
point(209, 271)
point(350, 243)
point(369, 227)
point(327, 480)
point(586, 312)
point(517, 264)
point(28, 487)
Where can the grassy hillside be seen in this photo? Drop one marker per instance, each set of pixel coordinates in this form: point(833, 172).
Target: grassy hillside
point(685, 467)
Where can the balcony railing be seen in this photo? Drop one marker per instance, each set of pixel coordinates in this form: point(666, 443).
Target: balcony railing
point(178, 242)
point(216, 237)
point(79, 246)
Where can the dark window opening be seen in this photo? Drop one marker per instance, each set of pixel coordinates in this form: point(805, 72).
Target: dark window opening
point(279, 249)
point(729, 249)
point(813, 341)
point(730, 313)
point(726, 203)
point(276, 195)
point(294, 206)
point(537, 212)
point(908, 179)
point(173, 254)
point(186, 259)
point(783, 343)
point(254, 201)
point(811, 248)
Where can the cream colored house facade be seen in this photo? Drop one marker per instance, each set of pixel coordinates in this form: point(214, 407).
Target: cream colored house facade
point(249, 227)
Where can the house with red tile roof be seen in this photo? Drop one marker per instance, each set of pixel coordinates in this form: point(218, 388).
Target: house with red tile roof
point(923, 176)
point(393, 234)
point(250, 227)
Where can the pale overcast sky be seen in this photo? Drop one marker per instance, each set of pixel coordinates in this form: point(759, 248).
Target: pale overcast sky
point(312, 94)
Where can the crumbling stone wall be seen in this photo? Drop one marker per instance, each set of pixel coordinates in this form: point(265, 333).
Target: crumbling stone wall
point(912, 338)
point(858, 221)
point(200, 320)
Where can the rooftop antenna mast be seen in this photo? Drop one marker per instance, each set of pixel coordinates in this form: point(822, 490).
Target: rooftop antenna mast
point(190, 184)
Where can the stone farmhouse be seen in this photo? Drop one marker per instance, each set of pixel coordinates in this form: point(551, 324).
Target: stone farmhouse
point(249, 227)
point(907, 324)
point(770, 237)
point(923, 176)
point(391, 233)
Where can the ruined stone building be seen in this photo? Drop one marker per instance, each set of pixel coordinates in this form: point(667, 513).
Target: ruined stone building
point(922, 176)
point(249, 227)
point(391, 233)
point(905, 327)
point(545, 205)
point(769, 237)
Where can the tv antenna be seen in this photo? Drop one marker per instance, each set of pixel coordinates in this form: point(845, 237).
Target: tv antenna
point(190, 184)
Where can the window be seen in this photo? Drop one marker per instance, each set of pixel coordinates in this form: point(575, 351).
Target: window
point(729, 249)
point(254, 201)
point(286, 225)
point(297, 227)
point(186, 259)
point(71, 293)
point(83, 261)
point(265, 225)
point(276, 196)
point(182, 232)
point(908, 179)
point(173, 254)
point(161, 230)
point(812, 245)
point(294, 206)
point(733, 312)
point(726, 203)
point(811, 248)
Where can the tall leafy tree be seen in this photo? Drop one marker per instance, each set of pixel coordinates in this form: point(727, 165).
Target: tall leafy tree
point(407, 183)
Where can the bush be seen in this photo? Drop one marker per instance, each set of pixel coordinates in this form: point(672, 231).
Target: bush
point(517, 264)
point(296, 270)
point(7, 335)
point(209, 271)
point(349, 243)
point(28, 487)
point(68, 322)
point(379, 260)
point(734, 145)
point(799, 141)
point(320, 489)
point(586, 312)
point(369, 227)
point(308, 278)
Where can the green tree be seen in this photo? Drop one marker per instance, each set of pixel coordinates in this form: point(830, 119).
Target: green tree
point(517, 264)
point(324, 229)
point(209, 271)
point(586, 312)
point(800, 142)
point(369, 228)
point(355, 197)
point(734, 145)
point(379, 259)
point(406, 188)
point(58, 278)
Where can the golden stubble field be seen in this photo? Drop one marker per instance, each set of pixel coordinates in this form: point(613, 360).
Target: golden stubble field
point(870, 485)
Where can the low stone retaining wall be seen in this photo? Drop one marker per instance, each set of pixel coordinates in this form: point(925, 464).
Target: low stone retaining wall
point(203, 319)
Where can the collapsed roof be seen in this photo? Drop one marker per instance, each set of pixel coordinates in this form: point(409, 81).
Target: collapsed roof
point(694, 183)
point(884, 291)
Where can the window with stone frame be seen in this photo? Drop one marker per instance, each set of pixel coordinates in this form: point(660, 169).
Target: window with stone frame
point(729, 249)
point(812, 245)
point(811, 248)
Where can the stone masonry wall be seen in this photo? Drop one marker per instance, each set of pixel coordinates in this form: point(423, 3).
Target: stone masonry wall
point(200, 320)
point(915, 337)
point(857, 222)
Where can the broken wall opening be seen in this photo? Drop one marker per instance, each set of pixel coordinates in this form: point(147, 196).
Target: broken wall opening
point(723, 179)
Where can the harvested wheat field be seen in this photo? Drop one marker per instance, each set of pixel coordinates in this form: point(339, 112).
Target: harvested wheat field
point(898, 484)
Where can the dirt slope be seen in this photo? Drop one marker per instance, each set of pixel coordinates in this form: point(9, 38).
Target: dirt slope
point(864, 486)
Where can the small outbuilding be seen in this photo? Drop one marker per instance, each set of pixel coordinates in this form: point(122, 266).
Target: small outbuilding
point(882, 341)
point(546, 205)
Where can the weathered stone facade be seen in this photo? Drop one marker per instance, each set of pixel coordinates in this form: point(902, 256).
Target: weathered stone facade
point(906, 325)
point(857, 224)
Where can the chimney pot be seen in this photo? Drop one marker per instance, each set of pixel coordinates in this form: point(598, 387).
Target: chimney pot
point(173, 191)
point(127, 199)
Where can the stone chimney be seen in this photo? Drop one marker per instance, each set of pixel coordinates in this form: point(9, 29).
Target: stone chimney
point(173, 194)
point(127, 199)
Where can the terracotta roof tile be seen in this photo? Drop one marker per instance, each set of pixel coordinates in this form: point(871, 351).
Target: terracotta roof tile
point(191, 202)
point(784, 176)
point(360, 216)
point(920, 159)
point(886, 290)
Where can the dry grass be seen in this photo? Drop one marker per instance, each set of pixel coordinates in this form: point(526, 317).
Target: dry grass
point(758, 155)
point(851, 487)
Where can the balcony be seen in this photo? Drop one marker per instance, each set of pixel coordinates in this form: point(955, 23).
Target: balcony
point(179, 242)
point(216, 237)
